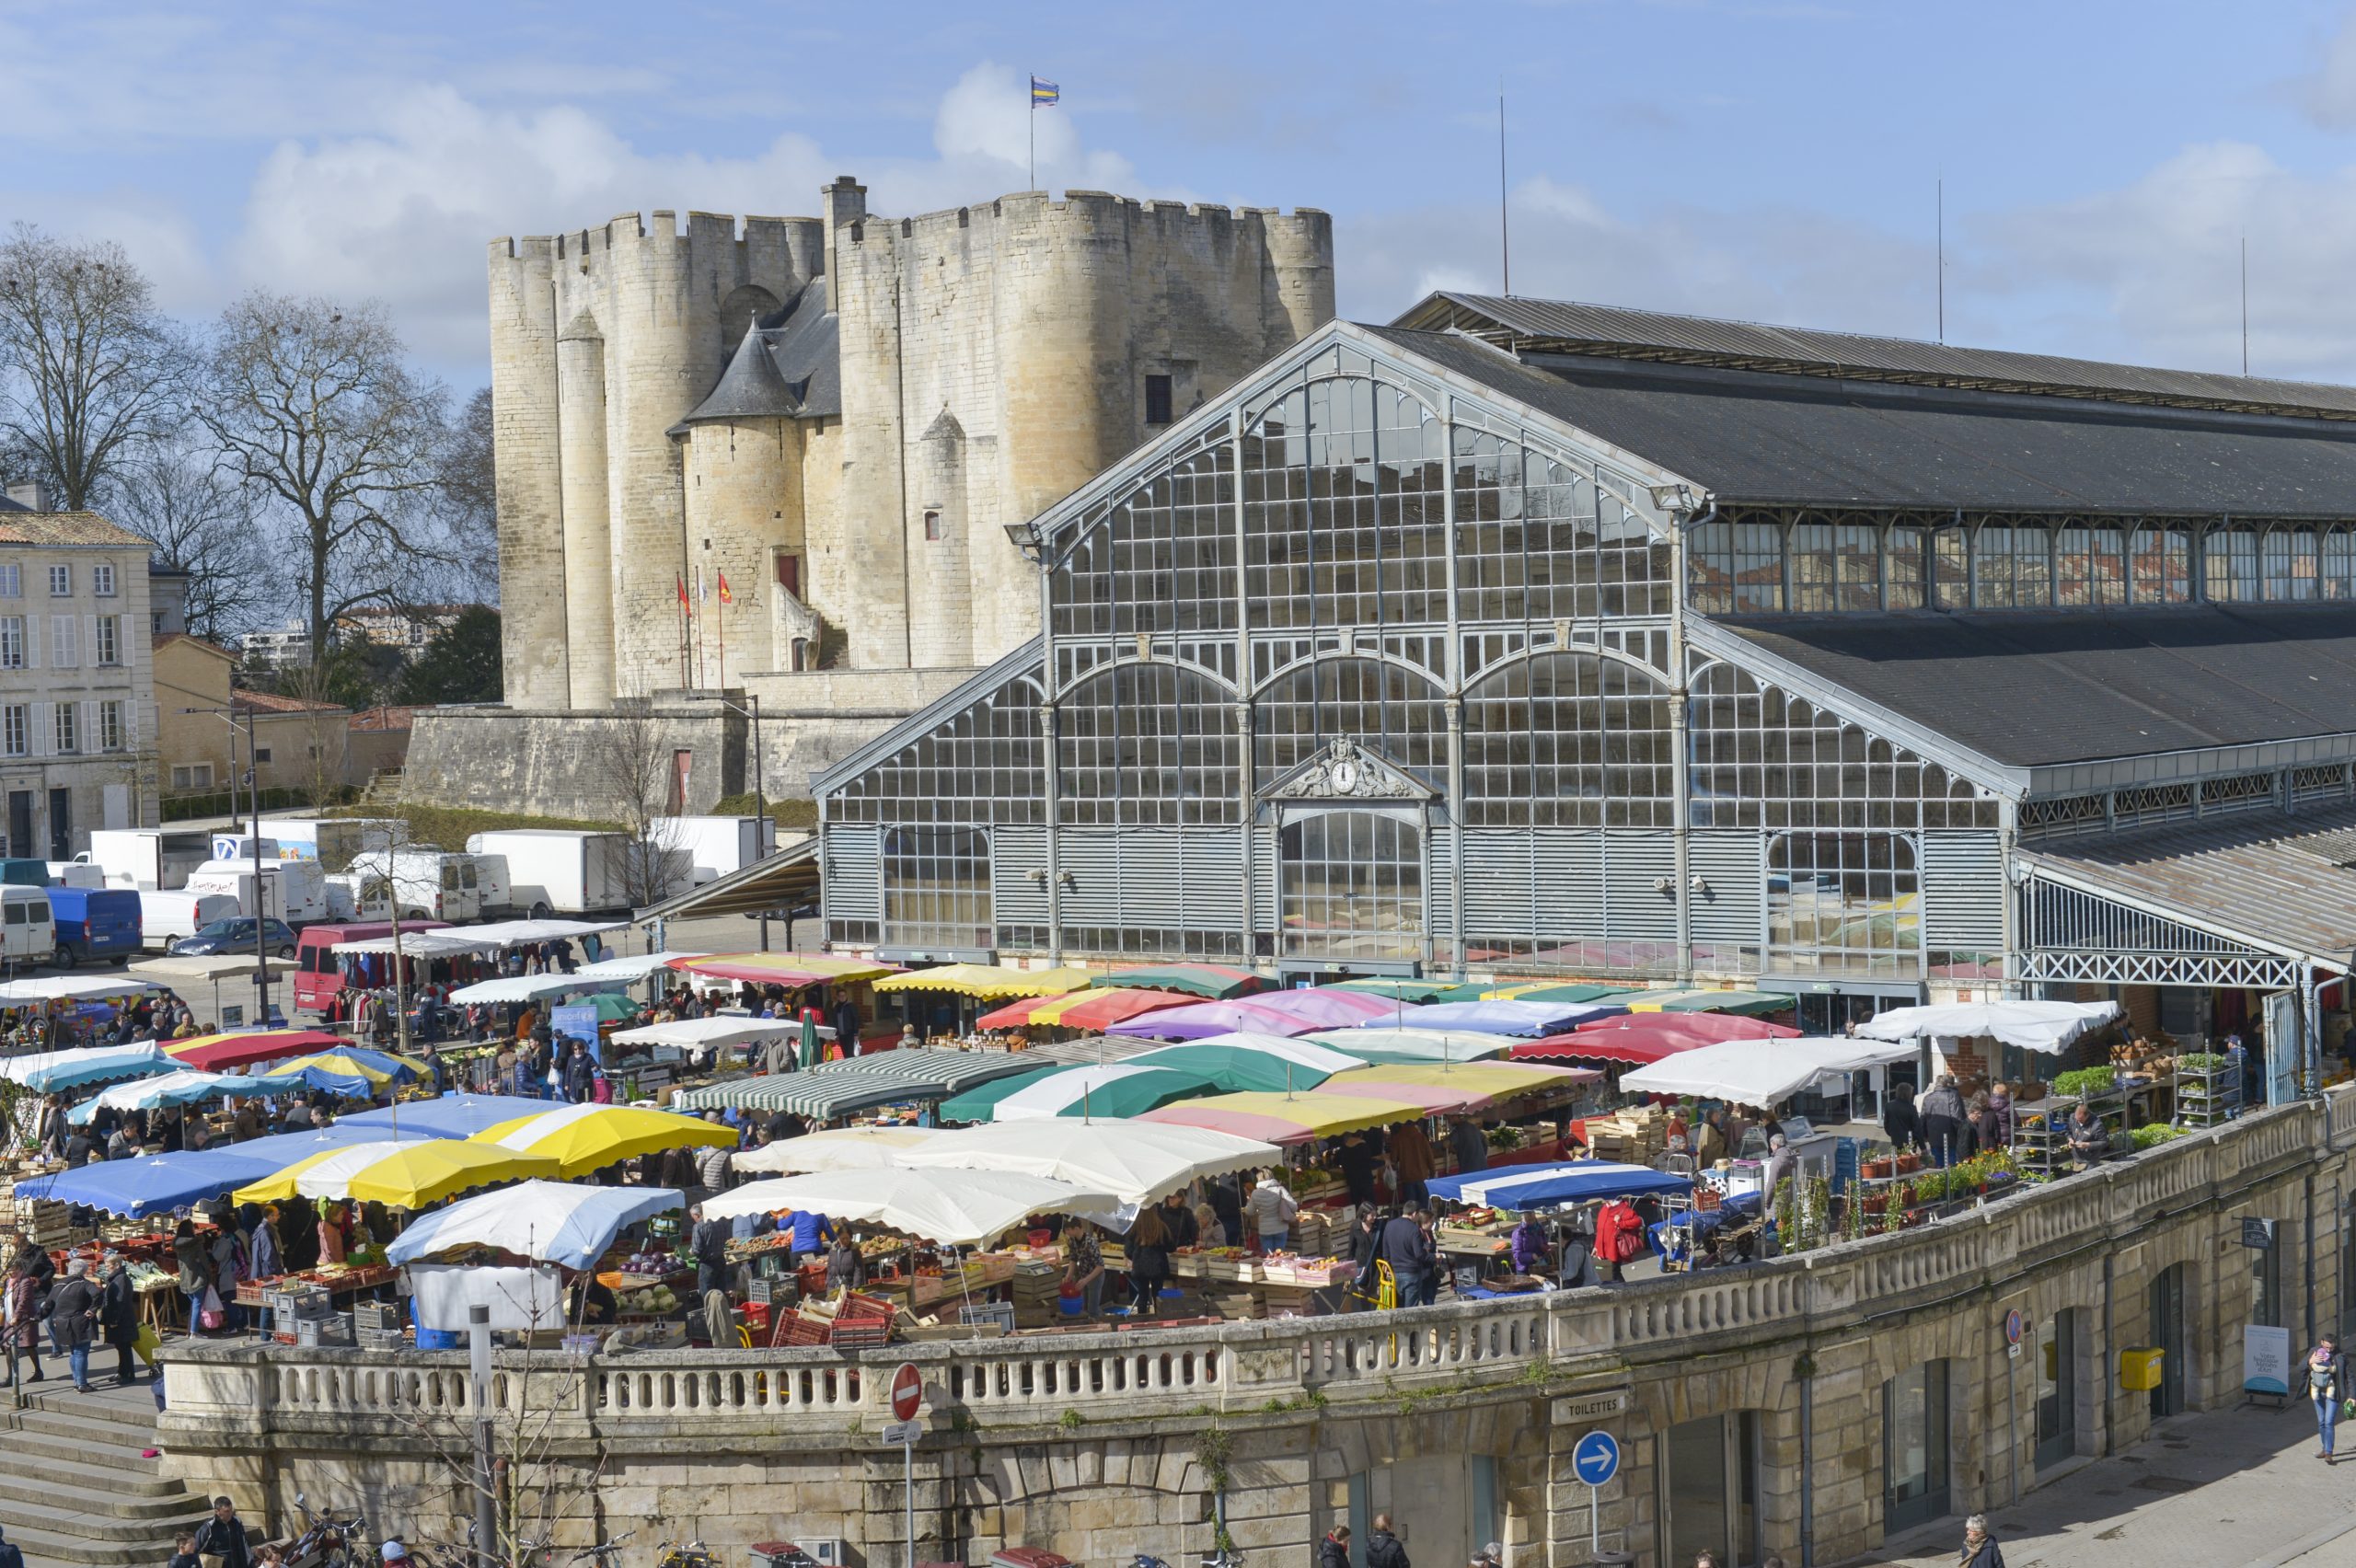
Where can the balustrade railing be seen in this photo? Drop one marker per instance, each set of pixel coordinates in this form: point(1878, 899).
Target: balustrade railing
point(1243, 1366)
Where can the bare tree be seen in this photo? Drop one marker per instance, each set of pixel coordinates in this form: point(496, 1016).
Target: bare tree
point(202, 522)
point(317, 413)
point(631, 770)
point(470, 503)
point(89, 369)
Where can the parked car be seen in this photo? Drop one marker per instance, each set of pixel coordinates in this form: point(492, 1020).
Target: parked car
point(236, 935)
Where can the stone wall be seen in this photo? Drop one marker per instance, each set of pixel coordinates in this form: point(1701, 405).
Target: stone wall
point(546, 762)
point(1104, 1446)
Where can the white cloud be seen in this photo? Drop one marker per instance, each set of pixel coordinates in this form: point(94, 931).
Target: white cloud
point(404, 212)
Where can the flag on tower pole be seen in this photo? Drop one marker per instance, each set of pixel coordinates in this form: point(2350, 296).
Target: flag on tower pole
point(685, 611)
point(725, 598)
point(1043, 95)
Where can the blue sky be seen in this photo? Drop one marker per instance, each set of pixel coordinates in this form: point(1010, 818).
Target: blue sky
point(1770, 161)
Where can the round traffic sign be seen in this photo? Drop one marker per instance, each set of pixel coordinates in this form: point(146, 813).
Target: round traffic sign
point(1595, 1458)
point(908, 1392)
point(2013, 1327)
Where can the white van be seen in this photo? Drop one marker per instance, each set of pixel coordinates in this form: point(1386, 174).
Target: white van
point(165, 917)
point(428, 884)
point(358, 895)
point(292, 891)
point(492, 884)
point(28, 932)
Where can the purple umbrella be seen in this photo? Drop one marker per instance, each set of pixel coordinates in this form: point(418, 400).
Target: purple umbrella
point(1269, 1012)
point(1505, 1016)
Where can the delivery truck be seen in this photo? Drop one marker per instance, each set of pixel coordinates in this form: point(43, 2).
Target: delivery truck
point(331, 841)
point(146, 858)
point(427, 884)
point(716, 846)
point(565, 871)
point(292, 891)
point(99, 924)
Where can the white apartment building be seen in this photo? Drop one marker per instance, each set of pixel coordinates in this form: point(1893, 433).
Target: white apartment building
point(78, 696)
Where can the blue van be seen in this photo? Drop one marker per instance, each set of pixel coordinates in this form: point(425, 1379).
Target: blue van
point(95, 922)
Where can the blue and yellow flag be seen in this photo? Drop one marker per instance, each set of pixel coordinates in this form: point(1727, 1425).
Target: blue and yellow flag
point(1043, 93)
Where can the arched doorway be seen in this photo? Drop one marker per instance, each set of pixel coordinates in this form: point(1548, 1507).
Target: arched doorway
point(1351, 884)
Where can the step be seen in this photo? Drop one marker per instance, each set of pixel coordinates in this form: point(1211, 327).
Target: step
point(133, 1407)
point(126, 1458)
point(72, 1423)
point(71, 1466)
point(100, 1502)
point(64, 1517)
point(48, 1550)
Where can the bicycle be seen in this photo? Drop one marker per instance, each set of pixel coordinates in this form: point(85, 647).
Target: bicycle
point(326, 1542)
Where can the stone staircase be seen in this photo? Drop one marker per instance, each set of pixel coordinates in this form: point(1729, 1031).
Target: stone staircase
point(74, 1492)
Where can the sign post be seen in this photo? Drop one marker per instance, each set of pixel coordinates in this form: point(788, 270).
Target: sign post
point(908, 1393)
point(2014, 1327)
point(1595, 1458)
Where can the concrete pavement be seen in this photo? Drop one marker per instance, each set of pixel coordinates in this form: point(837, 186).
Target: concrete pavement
point(2232, 1489)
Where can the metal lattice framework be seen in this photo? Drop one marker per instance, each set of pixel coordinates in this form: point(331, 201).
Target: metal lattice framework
point(2070, 933)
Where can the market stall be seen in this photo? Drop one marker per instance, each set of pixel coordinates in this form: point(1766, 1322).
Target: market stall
point(582, 1138)
point(1215, 981)
point(1111, 1091)
point(1516, 1017)
point(833, 1090)
point(1241, 1061)
point(184, 976)
point(246, 1048)
point(52, 1072)
point(186, 1087)
point(1378, 1042)
point(401, 1173)
point(837, 1148)
point(1285, 1118)
point(1090, 1009)
point(1134, 1161)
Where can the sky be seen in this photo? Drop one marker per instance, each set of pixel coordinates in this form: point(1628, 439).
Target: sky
point(2102, 164)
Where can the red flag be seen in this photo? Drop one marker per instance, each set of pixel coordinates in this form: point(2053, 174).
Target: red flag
point(682, 594)
point(724, 597)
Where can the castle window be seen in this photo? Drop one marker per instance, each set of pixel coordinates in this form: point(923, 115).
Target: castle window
point(932, 524)
point(1157, 399)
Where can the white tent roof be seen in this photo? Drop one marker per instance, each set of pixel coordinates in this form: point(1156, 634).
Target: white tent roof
point(441, 942)
point(559, 1222)
point(1135, 1161)
point(63, 987)
point(708, 1032)
point(507, 933)
point(961, 1209)
point(526, 987)
point(839, 1149)
point(213, 966)
point(1759, 1072)
point(1304, 1053)
point(2032, 1026)
point(1422, 1045)
point(632, 967)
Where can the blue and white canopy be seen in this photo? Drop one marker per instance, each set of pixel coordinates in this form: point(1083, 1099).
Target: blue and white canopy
point(1542, 1186)
point(164, 1183)
point(188, 1087)
point(549, 1222)
point(48, 1072)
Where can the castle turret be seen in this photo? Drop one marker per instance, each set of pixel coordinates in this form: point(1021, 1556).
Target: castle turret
point(588, 536)
point(530, 506)
point(743, 501)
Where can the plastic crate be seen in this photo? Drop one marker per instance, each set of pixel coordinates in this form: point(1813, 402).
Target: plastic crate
point(860, 1333)
point(794, 1329)
point(858, 1305)
point(333, 1330)
point(381, 1315)
point(382, 1339)
point(999, 1312)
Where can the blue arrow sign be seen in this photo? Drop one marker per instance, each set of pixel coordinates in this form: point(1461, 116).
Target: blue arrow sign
point(1596, 1459)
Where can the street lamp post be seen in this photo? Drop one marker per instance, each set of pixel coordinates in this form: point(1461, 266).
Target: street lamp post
point(253, 827)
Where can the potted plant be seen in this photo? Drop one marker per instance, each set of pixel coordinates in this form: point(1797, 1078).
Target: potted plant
point(1887, 1165)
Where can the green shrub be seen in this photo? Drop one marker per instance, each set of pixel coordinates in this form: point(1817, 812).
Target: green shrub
point(2084, 1082)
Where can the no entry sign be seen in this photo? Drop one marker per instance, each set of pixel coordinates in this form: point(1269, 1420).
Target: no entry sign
point(908, 1392)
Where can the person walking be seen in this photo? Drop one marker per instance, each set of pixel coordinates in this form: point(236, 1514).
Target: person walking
point(1980, 1548)
point(119, 1318)
point(1382, 1545)
point(1898, 1117)
point(1334, 1552)
point(221, 1539)
point(2327, 1386)
point(73, 1318)
point(21, 1303)
point(1942, 1119)
point(196, 1269)
point(1407, 1248)
point(580, 1074)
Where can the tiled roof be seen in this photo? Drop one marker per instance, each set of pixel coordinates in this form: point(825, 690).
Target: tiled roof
point(84, 529)
point(271, 702)
point(384, 719)
point(165, 640)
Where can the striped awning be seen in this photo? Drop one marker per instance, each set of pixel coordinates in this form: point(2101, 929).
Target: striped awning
point(859, 1083)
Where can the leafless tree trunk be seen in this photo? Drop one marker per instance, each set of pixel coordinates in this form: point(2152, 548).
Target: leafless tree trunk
point(204, 523)
point(89, 369)
point(632, 772)
point(317, 413)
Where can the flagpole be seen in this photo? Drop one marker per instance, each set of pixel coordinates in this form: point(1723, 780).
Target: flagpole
point(723, 633)
point(1031, 102)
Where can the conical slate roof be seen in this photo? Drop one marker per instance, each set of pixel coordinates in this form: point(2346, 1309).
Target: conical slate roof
point(751, 388)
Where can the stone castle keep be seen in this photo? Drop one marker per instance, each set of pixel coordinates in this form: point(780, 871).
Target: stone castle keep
point(841, 414)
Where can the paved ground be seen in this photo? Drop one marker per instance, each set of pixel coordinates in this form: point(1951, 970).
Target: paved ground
point(2236, 1489)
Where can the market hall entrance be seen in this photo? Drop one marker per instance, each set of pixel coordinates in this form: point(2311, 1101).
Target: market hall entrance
point(1351, 884)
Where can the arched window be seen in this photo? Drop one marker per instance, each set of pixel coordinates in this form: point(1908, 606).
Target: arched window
point(2338, 566)
point(1384, 707)
point(1843, 904)
point(2090, 566)
point(1736, 566)
point(2289, 564)
point(2229, 564)
point(1568, 739)
point(1160, 559)
point(2160, 560)
point(1147, 743)
point(1537, 539)
point(2014, 567)
point(982, 764)
point(1345, 518)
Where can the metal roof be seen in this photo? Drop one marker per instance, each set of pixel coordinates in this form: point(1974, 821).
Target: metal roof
point(1609, 330)
point(2037, 688)
point(1800, 440)
point(773, 883)
point(2253, 877)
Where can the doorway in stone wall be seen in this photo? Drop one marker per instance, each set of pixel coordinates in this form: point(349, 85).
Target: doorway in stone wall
point(1443, 1508)
point(2167, 1298)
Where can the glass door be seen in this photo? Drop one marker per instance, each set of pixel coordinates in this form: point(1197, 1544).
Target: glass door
point(1352, 884)
point(1710, 1489)
point(2057, 1390)
point(2168, 1333)
point(1914, 1446)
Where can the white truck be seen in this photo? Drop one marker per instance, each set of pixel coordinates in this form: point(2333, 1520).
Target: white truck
point(146, 858)
point(716, 846)
point(168, 914)
point(292, 891)
point(331, 841)
point(428, 884)
point(567, 871)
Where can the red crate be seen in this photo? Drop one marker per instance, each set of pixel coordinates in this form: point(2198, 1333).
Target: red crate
point(794, 1329)
point(856, 1305)
point(862, 1334)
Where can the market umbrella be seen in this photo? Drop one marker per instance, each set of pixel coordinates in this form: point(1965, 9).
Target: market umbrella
point(1413, 991)
point(1375, 1043)
point(218, 1053)
point(1549, 991)
point(809, 1046)
point(1285, 1118)
point(1760, 1072)
point(613, 1007)
point(582, 1138)
point(1241, 1062)
point(351, 1072)
point(1470, 1086)
point(185, 1088)
point(1733, 1003)
point(446, 1115)
point(1532, 1018)
point(1138, 1163)
point(51, 1072)
point(1537, 1186)
point(2030, 1025)
point(157, 1184)
point(276, 1181)
point(550, 1222)
point(1604, 1046)
point(1092, 1009)
point(705, 1033)
point(1109, 1093)
point(791, 970)
point(1703, 1026)
point(988, 980)
point(1214, 980)
point(1323, 1007)
point(836, 1148)
point(962, 1208)
point(408, 1174)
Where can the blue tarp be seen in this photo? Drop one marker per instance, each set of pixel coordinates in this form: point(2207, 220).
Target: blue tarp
point(156, 1184)
point(1505, 1016)
point(1540, 1186)
point(554, 1222)
point(452, 1115)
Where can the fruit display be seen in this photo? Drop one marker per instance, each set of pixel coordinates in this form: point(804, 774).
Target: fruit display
point(653, 1302)
point(653, 1263)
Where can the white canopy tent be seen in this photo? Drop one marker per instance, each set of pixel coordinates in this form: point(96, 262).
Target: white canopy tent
point(1760, 1072)
point(708, 1033)
point(445, 943)
point(182, 975)
point(65, 988)
point(526, 988)
point(632, 967)
point(1414, 1044)
point(509, 933)
point(837, 1148)
point(2031, 1026)
point(1137, 1162)
point(959, 1208)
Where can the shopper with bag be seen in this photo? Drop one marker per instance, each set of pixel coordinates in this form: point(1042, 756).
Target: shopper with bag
point(2327, 1387)
point(21, 1303)
point(196, 1270)
point(74, 1318)
point(118, 1317)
